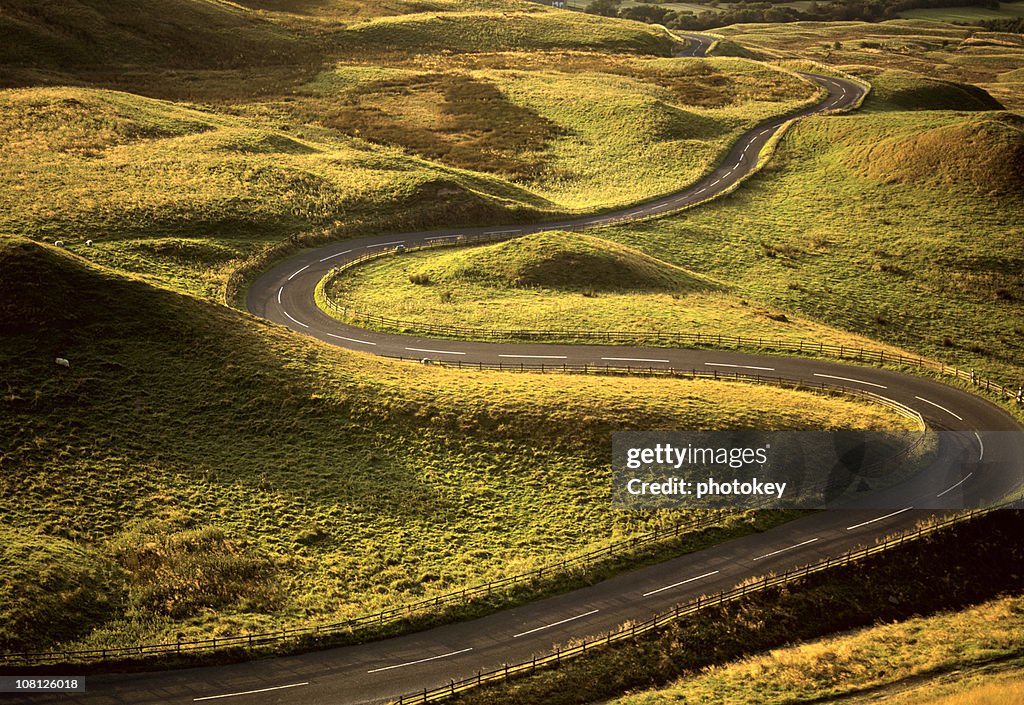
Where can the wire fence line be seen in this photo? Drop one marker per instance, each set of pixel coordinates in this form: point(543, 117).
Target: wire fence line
point(798, 346)
point(663, 619)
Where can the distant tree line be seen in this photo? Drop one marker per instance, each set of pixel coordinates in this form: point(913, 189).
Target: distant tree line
point(775, 11)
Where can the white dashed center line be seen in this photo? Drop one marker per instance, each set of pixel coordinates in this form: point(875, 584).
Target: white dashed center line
point(439, 352)
point(872, 521)
point(294, 320)
point(352, 340)
point(555, 624)
point(249, 692)
point(956, 485)
point(788, 548)
point(632, 359)
point(851, 379)
point(385, 244)
point(298, 272)
point(939, 406)
point(538, 357)
point(339, 254)
point(681, 582)
point(422, 660)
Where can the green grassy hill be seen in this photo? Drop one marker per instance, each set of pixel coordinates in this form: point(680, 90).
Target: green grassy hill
point(915, 240)
point(302, 482)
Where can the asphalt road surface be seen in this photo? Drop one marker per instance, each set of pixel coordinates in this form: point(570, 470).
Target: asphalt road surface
point(983, 467)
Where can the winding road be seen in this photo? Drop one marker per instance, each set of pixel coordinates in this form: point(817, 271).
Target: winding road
point(981, 464)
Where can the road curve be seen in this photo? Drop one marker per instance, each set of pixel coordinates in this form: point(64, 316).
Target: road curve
point(985, 465)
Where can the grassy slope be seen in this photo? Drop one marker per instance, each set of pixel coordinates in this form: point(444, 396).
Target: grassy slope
point(177, 192)
point(300, 481)
point(947, 659)
point(334, 120)
point(558, 281)
point(880, 259)
point(554, 122)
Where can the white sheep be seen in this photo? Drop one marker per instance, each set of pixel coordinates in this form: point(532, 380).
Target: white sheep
point(58, 243)
point(63, 363)
point(427, 361)
point(88, 242)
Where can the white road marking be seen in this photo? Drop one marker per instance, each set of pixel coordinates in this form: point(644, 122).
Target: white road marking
point(681, 582)
point(980, 445)
point(872, 521)
point(538, 357)
point(298, 272)
point(783, 550)
point(335, 255)
point(502, 232)
point(631, 359)
point(422, 660)
point(295, 320)
point(851, 379)
point(249, 692)
point(956, 485)
point(701, 191)
point(385, 244)
point(715, 182)
point(744, 367)
point(351, 340)
point(555, 624)
point(765, 131)
point(439, 352)
point(279, 292)
point(938, 406)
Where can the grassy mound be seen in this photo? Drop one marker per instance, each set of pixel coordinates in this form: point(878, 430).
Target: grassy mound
point(984, 153)
point(300, 482)
point(561, 261)
point(899, 90)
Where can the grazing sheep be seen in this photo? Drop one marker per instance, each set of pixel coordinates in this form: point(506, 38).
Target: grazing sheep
point(62, 362)
point(427, 361)
point(88, 242)
point(58, 243)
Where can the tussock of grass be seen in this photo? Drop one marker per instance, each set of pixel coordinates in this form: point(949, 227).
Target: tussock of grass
point(299, 482)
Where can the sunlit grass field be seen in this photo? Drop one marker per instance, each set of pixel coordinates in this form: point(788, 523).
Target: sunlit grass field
point(974, 657)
